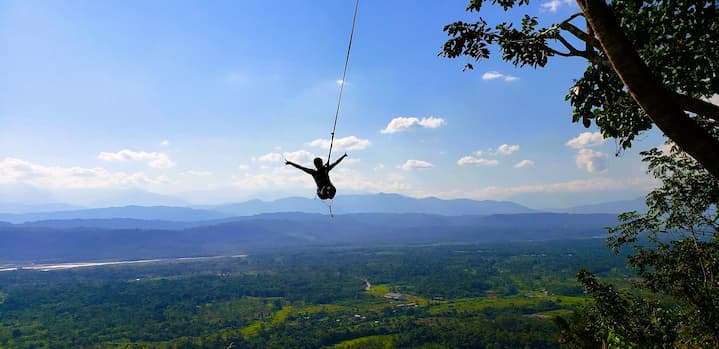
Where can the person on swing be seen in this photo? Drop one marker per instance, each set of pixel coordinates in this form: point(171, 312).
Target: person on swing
point(325, 189)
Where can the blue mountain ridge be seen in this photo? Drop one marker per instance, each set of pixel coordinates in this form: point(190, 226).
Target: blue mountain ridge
point(58, 241)
point(377, 203)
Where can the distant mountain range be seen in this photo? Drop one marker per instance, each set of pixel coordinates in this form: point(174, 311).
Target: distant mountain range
point(379, 203)
point(121, 239)
point(179, 214)
point(346, 204)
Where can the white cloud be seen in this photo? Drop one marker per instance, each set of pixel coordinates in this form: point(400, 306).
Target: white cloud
point(493, 75)
point(153, 159)
point(342, 144)
point(471, 160)
point(269, 157)
point(300, 156)
point(165, 143)
point(506, 149)
point(16, 171)
point(592, 161)
point(524, 163)
point(196, 173)
point(243, 167)
point(553, 5)
point(641, 184)
point(400, 124)
point(586, 139)
point(415, 164)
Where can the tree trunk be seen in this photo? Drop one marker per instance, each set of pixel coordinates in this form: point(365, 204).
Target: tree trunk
point(659, 103)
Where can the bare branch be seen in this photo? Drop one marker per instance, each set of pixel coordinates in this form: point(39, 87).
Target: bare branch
point(572, 17)
point(580, 34)
point(569, 46)
point(558, 53)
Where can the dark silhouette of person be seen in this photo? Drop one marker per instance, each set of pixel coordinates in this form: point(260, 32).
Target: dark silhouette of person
point(325, 189)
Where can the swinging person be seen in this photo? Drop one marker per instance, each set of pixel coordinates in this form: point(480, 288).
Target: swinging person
point(325, 189)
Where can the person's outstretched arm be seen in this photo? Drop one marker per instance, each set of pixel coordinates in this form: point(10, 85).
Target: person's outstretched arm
point(336, 162)
point(305, 169)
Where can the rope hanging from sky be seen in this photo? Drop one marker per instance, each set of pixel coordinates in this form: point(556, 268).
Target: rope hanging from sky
point(342, 82)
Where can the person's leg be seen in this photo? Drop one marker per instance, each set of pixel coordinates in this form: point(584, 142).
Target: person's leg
point(331, 191)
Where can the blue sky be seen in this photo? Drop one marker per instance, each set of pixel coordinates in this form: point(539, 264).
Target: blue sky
point(200, 101)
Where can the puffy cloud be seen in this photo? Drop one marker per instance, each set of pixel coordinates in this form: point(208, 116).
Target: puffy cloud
point(524, 163)
point(592, 161)
point(400, 124)
point(477, 159)
point(586, 139)
point(153, 159)
point(269, 157)
point(493, 75)
point(471, 160)
point(342, 144)
point(415, 164)
point(553, 5)
point(16, 171)
point(506, 149)
point(300, 156)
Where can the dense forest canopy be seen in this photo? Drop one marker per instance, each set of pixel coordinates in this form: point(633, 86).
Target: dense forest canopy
point(450, 296)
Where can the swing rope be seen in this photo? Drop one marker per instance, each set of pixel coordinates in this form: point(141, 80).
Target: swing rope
point(342, 83)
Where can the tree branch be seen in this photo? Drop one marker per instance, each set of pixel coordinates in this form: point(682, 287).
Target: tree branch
point(587, 37)
point(572, 17)
point(569, 46)
point(558, 53)
point(647, 91)
point(579, 34)
point(697, 106)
